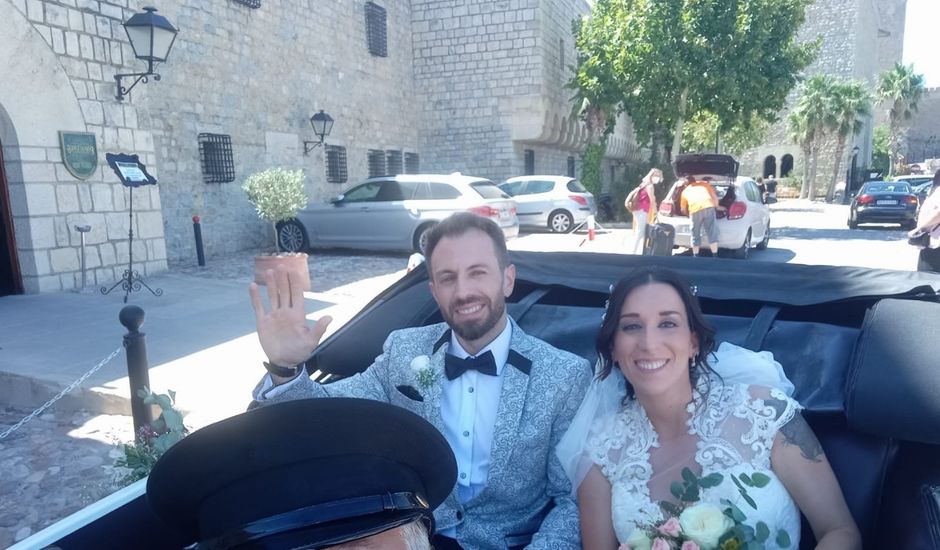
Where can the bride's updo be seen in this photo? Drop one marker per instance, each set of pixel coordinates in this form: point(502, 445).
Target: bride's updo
point(697, 323)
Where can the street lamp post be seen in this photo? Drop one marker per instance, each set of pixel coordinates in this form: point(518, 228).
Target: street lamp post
point(151, 36)
point(851, 183)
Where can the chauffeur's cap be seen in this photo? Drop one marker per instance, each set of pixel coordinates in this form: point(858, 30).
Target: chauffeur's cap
point(311, 473)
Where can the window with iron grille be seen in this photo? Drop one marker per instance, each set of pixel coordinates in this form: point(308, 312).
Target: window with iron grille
point(215, 155)
point(393, 162)
point(335, 163)
point(570, 167)
point(253, 4)
point(376, 162)
point(376, 33)
point(529, 162)
point(412, 163)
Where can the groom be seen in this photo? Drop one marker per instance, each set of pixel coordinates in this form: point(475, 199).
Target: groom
point(501, 398)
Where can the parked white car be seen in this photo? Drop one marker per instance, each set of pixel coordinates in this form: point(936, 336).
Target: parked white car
point(745, 223)
point(559, 203)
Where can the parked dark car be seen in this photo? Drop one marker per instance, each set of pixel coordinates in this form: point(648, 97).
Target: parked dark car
point(884, 202)
point(858, 344)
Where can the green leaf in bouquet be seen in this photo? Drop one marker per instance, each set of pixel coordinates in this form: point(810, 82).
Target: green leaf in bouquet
point(691, 494)
point(761, 532)
point(711, 480)
point(754, 545)
point(747, 498)
point(676, 489)
point(783, 539)
point(746, 479)
point(670, 509)
point(689, 477)
point(760, 480)
point(736, 514)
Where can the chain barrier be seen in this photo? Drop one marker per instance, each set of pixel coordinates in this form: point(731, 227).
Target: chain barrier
point(61, 394)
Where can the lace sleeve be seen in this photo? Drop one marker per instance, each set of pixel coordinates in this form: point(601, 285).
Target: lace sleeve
point(782, 407)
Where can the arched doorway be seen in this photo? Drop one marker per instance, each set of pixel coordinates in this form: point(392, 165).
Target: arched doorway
point(10, 280)
point(786, 166)
point(770, 167)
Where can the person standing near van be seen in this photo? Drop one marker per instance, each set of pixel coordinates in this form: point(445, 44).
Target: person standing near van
point(928, 221)
point(701, 202)
point(641, 203)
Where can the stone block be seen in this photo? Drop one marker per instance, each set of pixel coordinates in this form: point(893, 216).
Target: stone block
point(92, 111)
point(111, 11)
point(149, 225)
point(156, 249)
point(48, 283)
point(106, 254)
point(58, 41)
point(126, 139)
point(67, 198)
point(36, 263)
point(62, 231)
point(38, 172)
point(92, 260)
point(64, 259)
point(31, 154)
point(98, 233)
point(113, 113)
point(120, 197)
point(104, 27)
point(34, 10)
point(86, 47)
point(40, 199)
point(76, 23)
point(116, 225)
point(95, 72)
point(101, 197)
point(84, 197)
point(143, 141)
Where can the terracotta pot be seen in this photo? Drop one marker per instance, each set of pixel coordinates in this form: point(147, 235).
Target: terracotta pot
point(296, 265)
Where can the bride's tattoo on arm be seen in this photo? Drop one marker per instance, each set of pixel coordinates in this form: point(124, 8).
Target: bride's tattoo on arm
point(797, 432)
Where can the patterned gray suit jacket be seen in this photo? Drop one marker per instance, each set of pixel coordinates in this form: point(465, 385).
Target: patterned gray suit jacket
point(527, 499)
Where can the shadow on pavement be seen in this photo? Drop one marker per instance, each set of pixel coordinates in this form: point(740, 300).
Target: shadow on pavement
point(872, 233)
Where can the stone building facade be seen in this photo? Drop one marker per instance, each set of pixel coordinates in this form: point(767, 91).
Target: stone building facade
point(859, 40)
point(471, 86)
point(923, 137)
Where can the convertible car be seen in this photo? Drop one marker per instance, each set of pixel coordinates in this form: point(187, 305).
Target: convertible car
point(859, 344)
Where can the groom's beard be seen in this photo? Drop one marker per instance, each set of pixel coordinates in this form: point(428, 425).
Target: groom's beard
point(474, 330)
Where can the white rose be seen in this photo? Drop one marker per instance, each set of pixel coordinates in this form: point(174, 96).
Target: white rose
point(420, 363)
point(638, 540)
point(705, 524)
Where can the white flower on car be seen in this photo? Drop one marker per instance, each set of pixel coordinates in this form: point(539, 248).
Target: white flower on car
point(705, 524)
point(421, 366)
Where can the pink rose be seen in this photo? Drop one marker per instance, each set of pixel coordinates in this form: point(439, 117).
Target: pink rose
point(689, 545)
point(660, 544)
point(670, 527)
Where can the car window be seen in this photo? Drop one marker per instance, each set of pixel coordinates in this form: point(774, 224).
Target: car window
point(443, 191)
point(393, 191)
point(575, 187)
point(539, 186)
point(721, 190)
point(512, 188)
point(888, 188)
point(423, 191)
point(363, 193)
point(752, 192)
point(488, 190)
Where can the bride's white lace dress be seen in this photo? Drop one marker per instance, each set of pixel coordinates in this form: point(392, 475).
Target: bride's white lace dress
point(731, 431)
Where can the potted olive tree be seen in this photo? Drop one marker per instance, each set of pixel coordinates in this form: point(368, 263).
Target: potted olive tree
point(278, 195)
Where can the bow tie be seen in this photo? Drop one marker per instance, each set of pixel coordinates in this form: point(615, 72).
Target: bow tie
point(455, 366)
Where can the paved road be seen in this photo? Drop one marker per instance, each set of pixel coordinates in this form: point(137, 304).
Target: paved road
point(62, 461)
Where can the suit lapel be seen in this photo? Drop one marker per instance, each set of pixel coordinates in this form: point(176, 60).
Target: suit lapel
point(432, 398)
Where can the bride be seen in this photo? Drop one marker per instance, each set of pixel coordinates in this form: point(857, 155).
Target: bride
point(657, 409)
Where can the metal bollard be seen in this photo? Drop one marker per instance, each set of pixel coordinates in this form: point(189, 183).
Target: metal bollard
point(135, 344)
point(82, 229)
point(197, 231)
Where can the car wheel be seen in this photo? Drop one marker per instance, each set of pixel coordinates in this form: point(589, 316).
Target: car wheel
point(763, 244)
point(420, 241)
point(292, 236)
point(853, 223)
point(560, 221)
point(742, 253)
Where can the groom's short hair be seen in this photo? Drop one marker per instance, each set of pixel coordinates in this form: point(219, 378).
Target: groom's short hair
point(459, 224)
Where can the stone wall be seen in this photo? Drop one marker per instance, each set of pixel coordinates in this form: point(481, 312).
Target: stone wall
point(923, 136)
point(57, 60)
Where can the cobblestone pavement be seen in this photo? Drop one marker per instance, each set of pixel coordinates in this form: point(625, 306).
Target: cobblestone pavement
point(59, 463)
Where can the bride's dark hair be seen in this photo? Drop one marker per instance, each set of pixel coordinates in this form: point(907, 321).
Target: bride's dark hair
point(697, 323)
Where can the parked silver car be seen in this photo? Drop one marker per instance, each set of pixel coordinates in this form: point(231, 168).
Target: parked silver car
point(396, 212)
point(559, 203)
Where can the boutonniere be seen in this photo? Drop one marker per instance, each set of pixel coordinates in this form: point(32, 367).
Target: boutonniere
point(427, 377)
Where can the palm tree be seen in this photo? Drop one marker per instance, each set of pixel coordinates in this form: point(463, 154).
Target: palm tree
point(849, 104)
point(900, 89)
point(810, 120)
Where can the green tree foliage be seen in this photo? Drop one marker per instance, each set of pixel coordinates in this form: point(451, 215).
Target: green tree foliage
point(849, 104)
point(152, 441)
point(702, 130)
point(277, 194)
point(664, 61)
point(591, 167)
point(900, 89)
point(880, 154)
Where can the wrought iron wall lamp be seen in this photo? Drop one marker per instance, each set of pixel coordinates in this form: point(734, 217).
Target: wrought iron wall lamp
point(151, 36)
point(322, 125)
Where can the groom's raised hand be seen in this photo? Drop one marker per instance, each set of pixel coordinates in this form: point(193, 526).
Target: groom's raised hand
point(285, 336)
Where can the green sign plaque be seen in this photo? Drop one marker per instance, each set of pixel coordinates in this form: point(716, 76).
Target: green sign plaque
point(79, 153)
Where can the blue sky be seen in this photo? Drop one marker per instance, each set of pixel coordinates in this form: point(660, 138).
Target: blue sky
point(921, 43)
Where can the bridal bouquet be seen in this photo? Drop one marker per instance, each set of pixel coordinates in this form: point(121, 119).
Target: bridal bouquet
point(694, 525)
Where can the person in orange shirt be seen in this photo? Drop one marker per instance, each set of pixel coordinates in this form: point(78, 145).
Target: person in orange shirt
point(701, 202)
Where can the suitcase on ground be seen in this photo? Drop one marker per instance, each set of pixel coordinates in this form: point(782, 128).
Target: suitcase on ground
point(659, 239)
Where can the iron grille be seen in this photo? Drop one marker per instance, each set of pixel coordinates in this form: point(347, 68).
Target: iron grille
point(571, 167)
point(253, 4)
point(412, 163)
point(393, 162)
point(529, 162)
point(376, 32)
point(215, 155)
point(376, 163)
point(335, 163)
